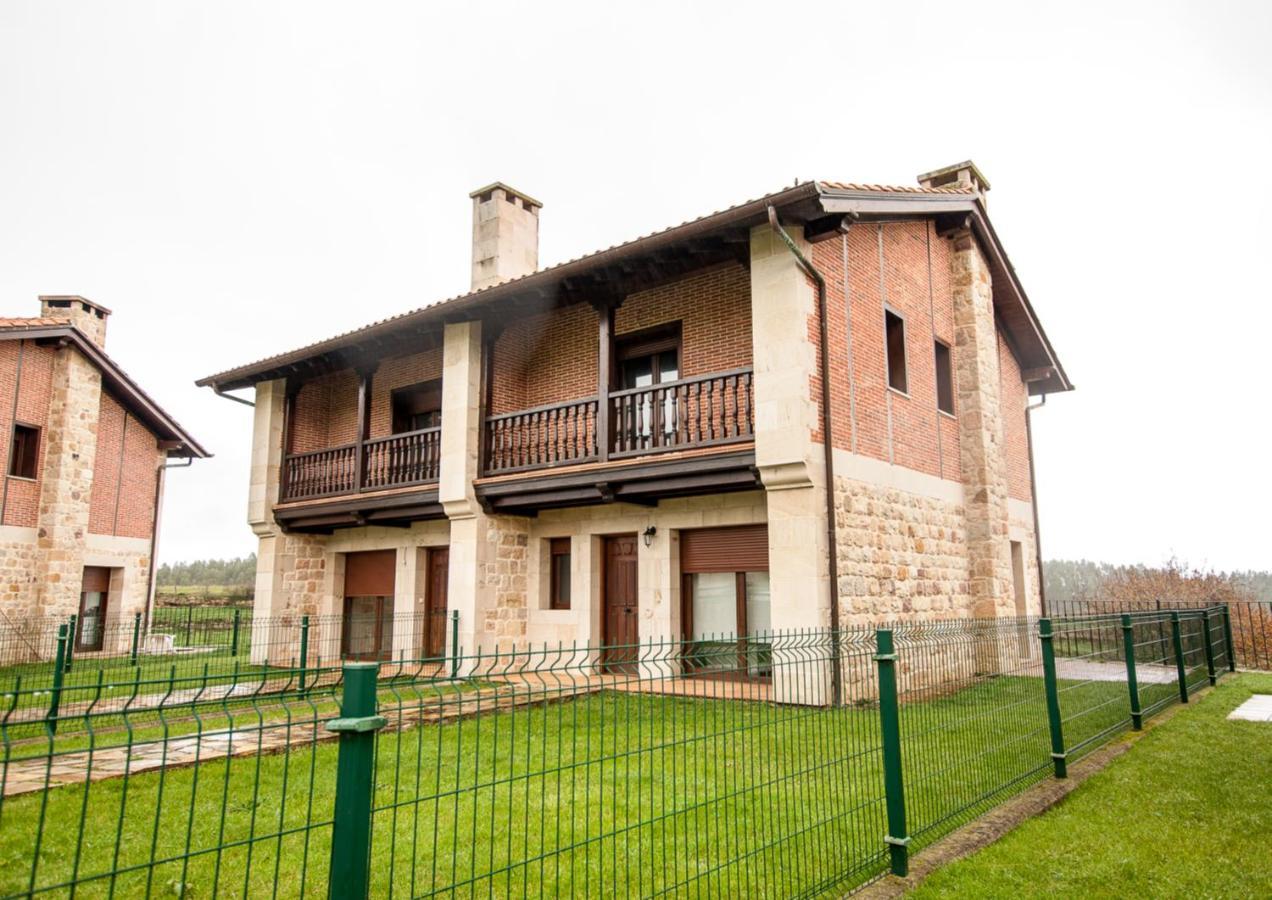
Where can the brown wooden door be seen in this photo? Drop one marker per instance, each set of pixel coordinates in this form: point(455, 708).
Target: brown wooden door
point(620, 603)
point(435, 602)
point(94, 591)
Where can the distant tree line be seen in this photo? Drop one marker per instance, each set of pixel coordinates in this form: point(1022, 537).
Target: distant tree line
point(1068, 580)
point(237, 572)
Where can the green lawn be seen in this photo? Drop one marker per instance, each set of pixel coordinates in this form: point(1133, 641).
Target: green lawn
point(616, 793)
point(1186, 813)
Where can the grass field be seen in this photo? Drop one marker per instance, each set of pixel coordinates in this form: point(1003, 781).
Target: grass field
point(610, 794)
point(1186, 813)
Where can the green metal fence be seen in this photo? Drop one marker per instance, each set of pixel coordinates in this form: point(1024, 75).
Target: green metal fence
point(791, 764)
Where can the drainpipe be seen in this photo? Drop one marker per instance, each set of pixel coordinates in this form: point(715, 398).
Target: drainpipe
point(1033, 497)
point(823, 337)
point(220, 393)
point(154, 531)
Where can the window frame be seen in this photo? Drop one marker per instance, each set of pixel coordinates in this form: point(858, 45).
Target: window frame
point(904, 389)
point(16, 460)
point(559, 547)
point(937, 346)
point(419, 387)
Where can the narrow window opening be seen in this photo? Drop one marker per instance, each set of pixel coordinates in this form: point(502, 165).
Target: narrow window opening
point(26, 450)
point(944, 379)
point(559, 580)
point(894, 327)
point(417, 407)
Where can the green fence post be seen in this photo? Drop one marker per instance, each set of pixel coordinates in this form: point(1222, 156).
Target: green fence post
point(55, 699)
point(1053, 698)
point(235, 634)
point(304, 649)
point(1210, 650)
point(454, 643)
point(1177, 639)
point(1227, 638)
point(132, 657)
point(351, 828)
point(898, 837)
point(1132, 683)
point(70, 647)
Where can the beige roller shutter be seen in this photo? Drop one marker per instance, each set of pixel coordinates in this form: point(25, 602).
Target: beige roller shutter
point(370, 574)
point(740, 549)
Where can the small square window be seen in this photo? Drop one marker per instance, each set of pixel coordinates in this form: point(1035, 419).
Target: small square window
point(894, 328)
point(559, 578)
point(417, 407)
point(26, 451)
point(944, 379)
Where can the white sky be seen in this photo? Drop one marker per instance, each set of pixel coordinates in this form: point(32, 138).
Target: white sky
point(238, 179)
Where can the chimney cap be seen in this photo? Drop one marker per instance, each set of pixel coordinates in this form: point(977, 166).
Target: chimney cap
point(526, 199)
point(69, 299)
point(965, 173)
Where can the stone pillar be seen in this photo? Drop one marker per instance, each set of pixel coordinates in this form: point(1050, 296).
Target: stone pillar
point(789, 459)
point(66, 487)
point(262, 493)
point(489, 555)
point(980, 425)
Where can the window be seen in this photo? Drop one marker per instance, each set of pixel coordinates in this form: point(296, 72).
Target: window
point(725, 605)
point(894, 328)
point(944, 379)
point(559, 577)
point(645, 359)
point(26, 450)
point(417, 407)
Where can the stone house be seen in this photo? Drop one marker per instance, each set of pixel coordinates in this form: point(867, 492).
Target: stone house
point(806, 408)
point(85, 452)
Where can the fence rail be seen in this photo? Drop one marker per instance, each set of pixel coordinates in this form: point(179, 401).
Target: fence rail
point(744, 765)
point(1251, 622)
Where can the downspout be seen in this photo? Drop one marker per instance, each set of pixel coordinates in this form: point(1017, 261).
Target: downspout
point(154, 531)
point(220, 393)
point(1033, 497)
point(823, 337)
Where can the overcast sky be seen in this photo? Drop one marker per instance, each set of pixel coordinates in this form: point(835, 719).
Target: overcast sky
point(239, 179)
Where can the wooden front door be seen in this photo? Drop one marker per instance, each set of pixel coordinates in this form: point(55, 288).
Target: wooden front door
point(435, 602)
point(620, 603)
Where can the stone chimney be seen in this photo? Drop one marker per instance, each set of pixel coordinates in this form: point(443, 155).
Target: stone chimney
point(505, 234)
point(964, 174)
point(87, 316)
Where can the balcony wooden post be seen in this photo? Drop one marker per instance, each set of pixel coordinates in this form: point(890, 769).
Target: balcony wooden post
point(364, 426)
point(289, 416)
point(604, 307)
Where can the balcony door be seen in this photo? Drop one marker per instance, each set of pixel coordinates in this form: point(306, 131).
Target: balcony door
point(647, 418)
point(367, 628)
point(725, 603)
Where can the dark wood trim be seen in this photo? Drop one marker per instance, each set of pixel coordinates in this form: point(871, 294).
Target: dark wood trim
point(364, 426)
point(605, 371)
point(394, 509)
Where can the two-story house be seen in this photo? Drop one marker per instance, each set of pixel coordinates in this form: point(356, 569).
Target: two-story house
point(807, 408)
point(85, 451)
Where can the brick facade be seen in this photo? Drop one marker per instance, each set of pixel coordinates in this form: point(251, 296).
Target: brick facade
point(123, 497)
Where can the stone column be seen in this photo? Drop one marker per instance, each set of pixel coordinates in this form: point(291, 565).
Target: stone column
point(782, 304)
point(980, 425)
point(66, 486)
point(262, 492)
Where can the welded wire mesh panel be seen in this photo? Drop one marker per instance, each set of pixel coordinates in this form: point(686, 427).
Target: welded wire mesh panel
point(1192, 631)
point(229, 799)
point(1156, 673)
point(661, 768)
point(1091, 680)
point(973, 718)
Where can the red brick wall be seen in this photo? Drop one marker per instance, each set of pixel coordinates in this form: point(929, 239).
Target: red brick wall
point(325, 412)
point(396, 373)
point(1015, 436)
point(123, 501)
point(22, 497)
point(906, 266)
point(553, 357)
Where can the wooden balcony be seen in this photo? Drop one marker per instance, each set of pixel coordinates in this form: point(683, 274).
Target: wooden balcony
point(692, 413)
point(629, 430)
point(400, 460)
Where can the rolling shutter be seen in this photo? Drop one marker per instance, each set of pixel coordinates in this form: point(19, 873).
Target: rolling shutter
point(740, 549)
point(370, 574)
point(96, 578)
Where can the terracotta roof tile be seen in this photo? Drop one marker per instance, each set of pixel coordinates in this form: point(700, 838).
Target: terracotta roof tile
point(34, 322)
point(898, 189)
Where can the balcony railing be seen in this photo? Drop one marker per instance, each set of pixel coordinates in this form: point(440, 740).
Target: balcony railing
point(703, 411)
point(399, 460)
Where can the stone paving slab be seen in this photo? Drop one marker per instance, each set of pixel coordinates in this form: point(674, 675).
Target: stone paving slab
point(1257, 709)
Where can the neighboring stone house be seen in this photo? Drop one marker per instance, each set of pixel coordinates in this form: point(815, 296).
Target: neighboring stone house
point(633, 445)
point(85, 453)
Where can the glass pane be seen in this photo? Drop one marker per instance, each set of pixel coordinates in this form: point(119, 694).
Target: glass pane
point(715, 622)
point(668, 366)
point(759, 620)
point(561, 580)
point(638, 372)
point(360, 624)
point(386, 627)
point(91, 620)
